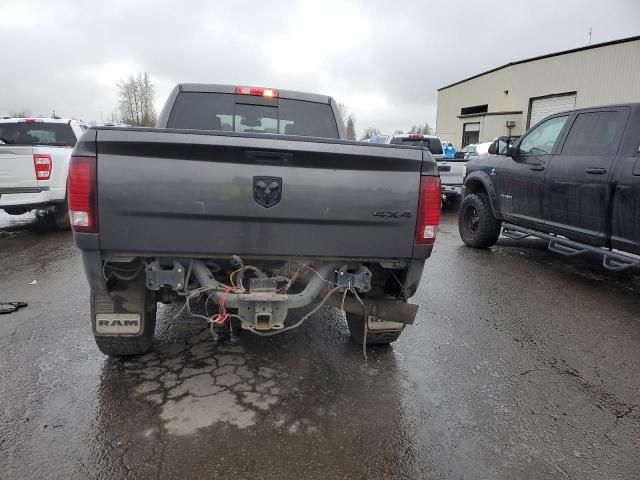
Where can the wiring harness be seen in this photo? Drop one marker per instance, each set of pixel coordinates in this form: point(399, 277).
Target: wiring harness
point(235, 285)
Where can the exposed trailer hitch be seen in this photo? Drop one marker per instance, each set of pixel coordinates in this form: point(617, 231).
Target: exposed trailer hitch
point(263, 307)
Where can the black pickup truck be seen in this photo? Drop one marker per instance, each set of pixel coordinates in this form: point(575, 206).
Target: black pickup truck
point(573, 179)
point(252, 200)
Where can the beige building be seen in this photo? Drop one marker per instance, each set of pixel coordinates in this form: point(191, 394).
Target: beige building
point(509, 99)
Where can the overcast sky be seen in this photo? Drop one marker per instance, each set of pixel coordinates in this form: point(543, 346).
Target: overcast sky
point(385, 60)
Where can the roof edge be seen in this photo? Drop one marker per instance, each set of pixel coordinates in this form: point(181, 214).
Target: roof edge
point(541, 57)
point(231, 89)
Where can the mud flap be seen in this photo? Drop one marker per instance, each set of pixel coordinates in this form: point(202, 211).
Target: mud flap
point(381, 314)
point(120, 311)
point(376, 324)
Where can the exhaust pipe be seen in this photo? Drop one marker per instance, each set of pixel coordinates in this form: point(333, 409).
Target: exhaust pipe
point(296, 300)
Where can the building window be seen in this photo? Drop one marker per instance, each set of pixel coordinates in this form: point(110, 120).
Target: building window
point(470, 133)
point(474, 110)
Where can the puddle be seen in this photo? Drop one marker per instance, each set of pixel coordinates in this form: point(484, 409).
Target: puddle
point(200, 385)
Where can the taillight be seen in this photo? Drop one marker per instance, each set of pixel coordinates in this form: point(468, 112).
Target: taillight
point(42, 164)
point(82, 194)
point(428, 210)
point(257, 91)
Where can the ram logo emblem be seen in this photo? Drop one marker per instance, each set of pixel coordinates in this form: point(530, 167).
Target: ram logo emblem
point(267, 191)
point(118, 323)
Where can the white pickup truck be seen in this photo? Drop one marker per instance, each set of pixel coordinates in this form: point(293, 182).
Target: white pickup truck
point(34, 162)
point(452, 171)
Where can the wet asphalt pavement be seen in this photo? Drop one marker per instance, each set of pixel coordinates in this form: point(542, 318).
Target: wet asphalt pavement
point(521, 364)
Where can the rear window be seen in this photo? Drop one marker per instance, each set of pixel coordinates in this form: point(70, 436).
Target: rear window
point(225, 112)
point(593, 133)
point(432, 144)
point(37, 133)
point(379, 139)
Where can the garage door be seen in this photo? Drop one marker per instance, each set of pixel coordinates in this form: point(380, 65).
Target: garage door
point(543, 107)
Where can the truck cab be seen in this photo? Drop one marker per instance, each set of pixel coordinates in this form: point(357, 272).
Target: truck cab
point(573, 179)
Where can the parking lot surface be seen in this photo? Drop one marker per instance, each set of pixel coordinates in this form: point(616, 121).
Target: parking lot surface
point(521, 364)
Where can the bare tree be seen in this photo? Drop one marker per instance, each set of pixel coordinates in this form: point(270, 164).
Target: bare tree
point(351, 127)
point(421, 129)
point(136, 100)
point(146, 100)
point(398, 132)
point(349, 120)
point(127, 103)
point(343, 110)
point(114, 118)
point(370, 132)
point(24, 113)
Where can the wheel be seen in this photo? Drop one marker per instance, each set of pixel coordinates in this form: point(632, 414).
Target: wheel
point(126, 297)
point(61, 216)
point(374, 337)
point(479, 228)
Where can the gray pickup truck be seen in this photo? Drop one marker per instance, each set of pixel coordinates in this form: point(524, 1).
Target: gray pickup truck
point(251, 201)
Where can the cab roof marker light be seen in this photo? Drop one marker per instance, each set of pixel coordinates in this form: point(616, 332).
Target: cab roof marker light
point(257, 92)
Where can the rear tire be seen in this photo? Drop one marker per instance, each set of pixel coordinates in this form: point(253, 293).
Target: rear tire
point(126, 345)
point(478, 227)
point(61, 216)
point(356, 329)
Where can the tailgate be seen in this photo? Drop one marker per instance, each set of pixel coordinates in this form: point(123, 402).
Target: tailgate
point(16, 168)
point(451, 171)
point(171, 192)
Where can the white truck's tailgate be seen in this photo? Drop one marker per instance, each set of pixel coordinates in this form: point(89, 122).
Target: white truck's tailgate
point(16, 167)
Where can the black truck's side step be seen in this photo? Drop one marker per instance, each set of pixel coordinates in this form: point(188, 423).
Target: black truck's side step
point(612, 260)
point(513, 234)
point(557, 246)
point(617, 265)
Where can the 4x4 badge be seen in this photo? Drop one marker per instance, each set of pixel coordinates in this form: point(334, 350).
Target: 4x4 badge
point(393, 214)
point(267, 191)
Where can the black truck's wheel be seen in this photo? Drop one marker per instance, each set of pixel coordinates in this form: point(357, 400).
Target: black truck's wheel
point(132, 297)
point(374, 337)
point(479, 228)
point(61, 216)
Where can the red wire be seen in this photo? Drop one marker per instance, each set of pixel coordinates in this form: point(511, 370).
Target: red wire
point(223, 315)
